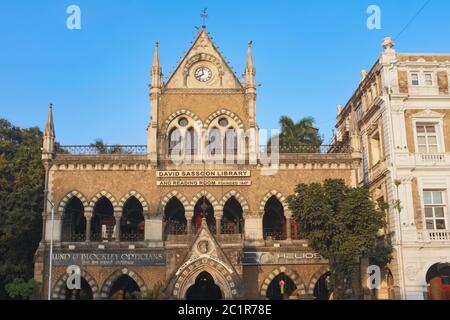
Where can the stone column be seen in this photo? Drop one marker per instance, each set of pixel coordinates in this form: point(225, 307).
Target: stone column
point(189, 214)
point(288, 225)
point(219, 216)
point(88, 216)
point(253, 226)
point(118, 217)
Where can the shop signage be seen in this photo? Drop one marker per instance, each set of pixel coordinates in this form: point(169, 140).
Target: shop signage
point(109, 259)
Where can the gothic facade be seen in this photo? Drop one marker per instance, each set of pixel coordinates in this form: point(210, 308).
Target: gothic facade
point(160, 218)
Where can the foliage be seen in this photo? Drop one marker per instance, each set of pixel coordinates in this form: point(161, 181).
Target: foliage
point(156, 293)
point(302, 132)
point(21, 289)
point(103, 149)
point(340, 223)
point(21, 201)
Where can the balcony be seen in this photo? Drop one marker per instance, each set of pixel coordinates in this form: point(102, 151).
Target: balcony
point(423, 159)
point(433, 235)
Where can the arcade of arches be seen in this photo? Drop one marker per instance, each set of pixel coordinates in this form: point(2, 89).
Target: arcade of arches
point(131, 217)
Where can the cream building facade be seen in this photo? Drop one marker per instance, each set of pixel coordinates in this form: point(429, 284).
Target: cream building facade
point(398, 119)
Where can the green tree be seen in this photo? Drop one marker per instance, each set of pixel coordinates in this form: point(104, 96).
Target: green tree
point(341, 224)
point(103, 149)
point(298, 133)
point(21, 289)
point(21, 201)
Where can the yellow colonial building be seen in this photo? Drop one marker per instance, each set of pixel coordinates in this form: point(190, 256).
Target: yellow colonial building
point(200, 211)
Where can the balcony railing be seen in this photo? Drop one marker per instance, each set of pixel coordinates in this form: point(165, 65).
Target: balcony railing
point(308, 149)
point(431, 157)
point(434, 235)
point(103, 150)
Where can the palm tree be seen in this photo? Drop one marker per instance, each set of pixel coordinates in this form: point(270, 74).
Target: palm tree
point(103, 149)
point(301, 133)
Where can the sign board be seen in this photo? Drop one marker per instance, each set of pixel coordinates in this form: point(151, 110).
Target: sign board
point(258, 258)
point(110, 259)
point(195, 183)
point(204, 174)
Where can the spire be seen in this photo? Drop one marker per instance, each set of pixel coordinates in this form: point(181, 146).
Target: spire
point(250, 71)
point(48, 146)
point(49, 127)
point(156, 69)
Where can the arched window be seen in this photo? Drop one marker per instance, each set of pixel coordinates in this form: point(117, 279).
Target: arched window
point(103, 221)
point(132, 223)
point(204, 209)
point(322, 287)
point(174, 141)
point(125, 288)
point(232, 222)
point(214, 143)
point(74, 222)
point(231, 143)
point(174, 216)
point(204, 288)
point(191, 143)
point(274, 222)
point(85, 292)
point(281, 287)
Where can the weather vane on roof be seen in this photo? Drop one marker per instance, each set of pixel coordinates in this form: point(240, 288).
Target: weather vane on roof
point(204, 15)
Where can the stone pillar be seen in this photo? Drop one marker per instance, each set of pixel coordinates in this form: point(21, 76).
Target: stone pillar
point(219, 216)
point(253, 227)
point(288, 225)
point(189, 214)
point(88, 216)
point(154, 228)
point(118, 217)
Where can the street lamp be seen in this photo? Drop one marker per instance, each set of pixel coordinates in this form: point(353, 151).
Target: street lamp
point(49, 297)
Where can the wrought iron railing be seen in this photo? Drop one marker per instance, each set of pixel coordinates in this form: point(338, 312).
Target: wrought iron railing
point(74, 237)
point(270, 234)
point(132, 237)
point(307, 149)
point(100, 150)
point(175, 228)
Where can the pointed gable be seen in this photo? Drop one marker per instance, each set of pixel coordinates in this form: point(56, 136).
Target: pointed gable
point(205, 246)
point(203, 54)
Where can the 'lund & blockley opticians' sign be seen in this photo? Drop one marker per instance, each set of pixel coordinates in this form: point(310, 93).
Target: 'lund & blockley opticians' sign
point(109, 259)
point(203, 178)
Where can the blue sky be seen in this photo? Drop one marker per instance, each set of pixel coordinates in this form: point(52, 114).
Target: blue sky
point(308, 56)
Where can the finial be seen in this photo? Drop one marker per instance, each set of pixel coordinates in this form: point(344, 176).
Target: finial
point(363, 74)
point(156, 43)
point(339, 109)
point(388, 43)
point(250, 43)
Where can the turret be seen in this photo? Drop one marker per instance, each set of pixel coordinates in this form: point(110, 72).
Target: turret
point(48, 147)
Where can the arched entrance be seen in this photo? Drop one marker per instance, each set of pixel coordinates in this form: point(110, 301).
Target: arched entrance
point(125, 288)
point(281, 287)
point(132, 223)
point(274, 221)
point(204, 208)
point(322, 287)
point(85, 292)
point(74, 222)
point(174, 216)
point(103, 221)
point(204, 288)
point(232, 222)
point(438, 281)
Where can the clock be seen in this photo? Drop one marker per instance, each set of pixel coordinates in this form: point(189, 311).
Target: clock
point(203, 74)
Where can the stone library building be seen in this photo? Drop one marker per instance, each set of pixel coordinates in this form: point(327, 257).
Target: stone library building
point(200, 212)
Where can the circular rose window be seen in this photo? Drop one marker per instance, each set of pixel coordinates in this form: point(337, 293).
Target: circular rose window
point(223, 122)
point(183, 122)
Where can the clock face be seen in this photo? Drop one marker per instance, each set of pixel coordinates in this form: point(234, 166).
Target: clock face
point(203, 74)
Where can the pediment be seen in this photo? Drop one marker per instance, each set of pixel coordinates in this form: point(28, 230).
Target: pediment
point(428, 113)
point(203, 53)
